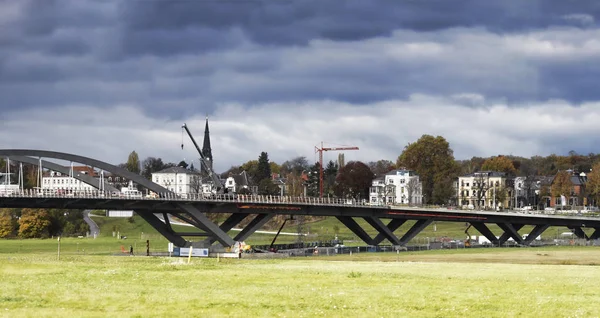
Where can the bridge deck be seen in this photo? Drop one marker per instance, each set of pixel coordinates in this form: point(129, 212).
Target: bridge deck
point(193, 209)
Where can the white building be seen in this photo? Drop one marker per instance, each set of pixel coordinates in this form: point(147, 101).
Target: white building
point(179, 180)
point(397, 187)
point(55, 181)
point(236, 182)
point(485, 189)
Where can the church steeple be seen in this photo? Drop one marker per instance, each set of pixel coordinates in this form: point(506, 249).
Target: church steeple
point(206, 150)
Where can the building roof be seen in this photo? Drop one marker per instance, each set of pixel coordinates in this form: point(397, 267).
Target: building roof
point(400, 172)
point(175, 170)
point(494, 174)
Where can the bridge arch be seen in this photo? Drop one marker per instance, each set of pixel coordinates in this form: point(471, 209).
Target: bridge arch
point(64, 170)
point(88, 161)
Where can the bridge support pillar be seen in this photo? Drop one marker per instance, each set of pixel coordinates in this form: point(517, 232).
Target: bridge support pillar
point(383, 230)
point(356, 229)
point(506, 235)
point(485, 231)
point(233, 220)
point(392, 226)
point(579, 232)
point(596, 234)
point(537, 231)
point(162, 228)
point(253, 226)
point(210, 227)
point(414, 230)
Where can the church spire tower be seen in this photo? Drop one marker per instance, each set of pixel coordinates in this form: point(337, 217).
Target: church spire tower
point(206, 150)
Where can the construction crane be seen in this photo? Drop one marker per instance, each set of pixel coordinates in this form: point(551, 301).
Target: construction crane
point(320, 151)
point(204, 162)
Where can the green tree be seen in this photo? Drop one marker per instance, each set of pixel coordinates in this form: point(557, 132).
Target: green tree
point(500, 164)
point(381, 167)
point(295, 165)
point(354, 180)
point(133, 163)
point(313, 182)
point(251, 168)
point(433, 160)
point(151, 165)
point(329, 175)
point(267, 187)
point(34, 223)
point(182, 164)
point(263, 170)
point(562, 185)
point(275, 168)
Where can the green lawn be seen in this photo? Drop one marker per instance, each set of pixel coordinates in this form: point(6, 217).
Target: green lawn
point(473, 283)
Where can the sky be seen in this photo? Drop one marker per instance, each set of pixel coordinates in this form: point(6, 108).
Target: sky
point(101, 78)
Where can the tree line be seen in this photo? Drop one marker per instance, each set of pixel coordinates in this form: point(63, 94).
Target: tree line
point(41, 223)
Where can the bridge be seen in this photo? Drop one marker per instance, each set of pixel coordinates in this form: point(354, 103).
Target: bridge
point(260, 209)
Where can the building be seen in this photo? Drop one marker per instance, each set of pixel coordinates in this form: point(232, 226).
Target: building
point(485, 190)
point(576, 195)
point(235, 183)
point(179, 180)
point(53, 181)
point(397, 187)
point(529, 191)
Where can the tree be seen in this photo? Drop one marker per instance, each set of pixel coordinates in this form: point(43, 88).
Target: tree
point(263, 170)
point(354, 180)
point(133, 163)
point(151, 165)
point(499, 193)
point(412, 187)
point(381, 167)
point(295, 165)
point(295, 184)
point(313, 183)
point(251, 168)
point(182, 164)
point(433, 160)
point(443, 189)
point(275, 168)
point(34, 223)
point(8, 223)
point(500, 164)
point(480, 187)
point(593, 183)
point(562, 185)
point(267, 187)
point(329, 175)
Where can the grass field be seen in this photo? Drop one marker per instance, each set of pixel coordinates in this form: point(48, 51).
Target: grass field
point(544, 282)
point(93, 278)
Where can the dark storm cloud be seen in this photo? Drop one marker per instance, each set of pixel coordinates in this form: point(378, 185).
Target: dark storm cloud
point(178, 58)
point(298, 22)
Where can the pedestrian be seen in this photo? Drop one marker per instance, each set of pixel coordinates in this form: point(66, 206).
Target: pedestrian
point(131, 250)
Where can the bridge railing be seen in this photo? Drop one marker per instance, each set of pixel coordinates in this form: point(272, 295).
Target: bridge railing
point(250, 198)
point(170, 196)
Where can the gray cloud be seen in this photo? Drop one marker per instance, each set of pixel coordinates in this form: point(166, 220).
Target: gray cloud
point(279, 76)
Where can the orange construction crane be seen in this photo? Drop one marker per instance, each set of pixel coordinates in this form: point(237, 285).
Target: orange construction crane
point(320, 151)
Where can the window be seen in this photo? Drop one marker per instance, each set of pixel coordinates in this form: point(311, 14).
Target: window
point(156, 180)
point(391, 181)
point(467, 192)
point(467, 184)
point(402, 180)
